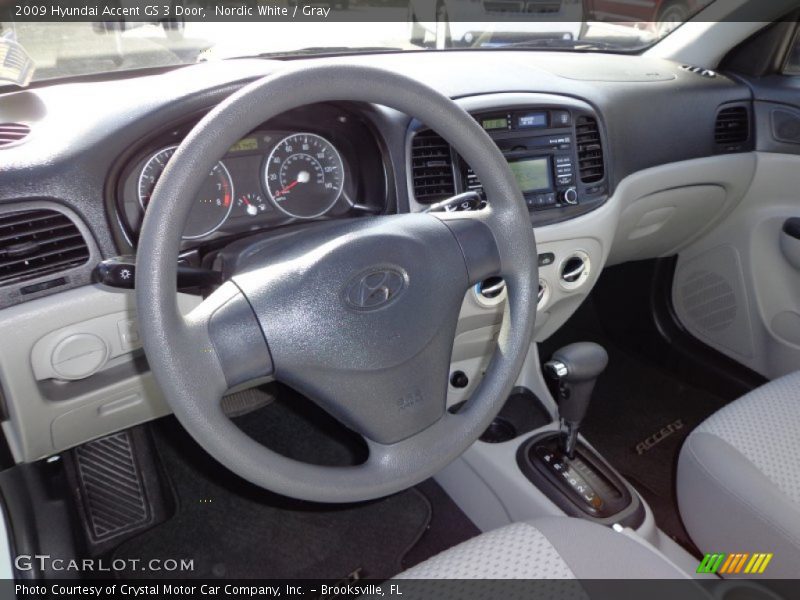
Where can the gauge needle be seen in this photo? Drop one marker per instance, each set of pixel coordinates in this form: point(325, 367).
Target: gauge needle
point(250, 210)
point(302, 177)
point(288, 187)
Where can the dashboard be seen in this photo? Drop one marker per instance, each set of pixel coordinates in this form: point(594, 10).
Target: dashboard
point(615, 164)
point(315, 163)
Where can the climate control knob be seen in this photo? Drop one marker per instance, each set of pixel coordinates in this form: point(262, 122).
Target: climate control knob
point(570, 196)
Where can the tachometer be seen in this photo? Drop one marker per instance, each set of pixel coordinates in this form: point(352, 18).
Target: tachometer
point(212, 205)
point(304, 175)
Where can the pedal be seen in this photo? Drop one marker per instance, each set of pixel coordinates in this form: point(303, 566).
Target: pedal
point(247, 401)
point(117, 486)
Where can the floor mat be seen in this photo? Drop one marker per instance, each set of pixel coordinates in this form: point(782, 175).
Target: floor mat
point(235, 530)
point(638, 419)
point(448, 526)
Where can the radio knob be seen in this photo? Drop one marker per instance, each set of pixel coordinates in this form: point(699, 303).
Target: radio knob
point(570, 196)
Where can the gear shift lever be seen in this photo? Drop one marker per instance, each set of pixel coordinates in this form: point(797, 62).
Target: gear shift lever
point(576, 368)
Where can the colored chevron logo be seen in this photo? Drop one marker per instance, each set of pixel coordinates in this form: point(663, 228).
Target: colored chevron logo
point(738, 563)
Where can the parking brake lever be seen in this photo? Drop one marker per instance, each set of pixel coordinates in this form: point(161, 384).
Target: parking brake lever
point(120, 272)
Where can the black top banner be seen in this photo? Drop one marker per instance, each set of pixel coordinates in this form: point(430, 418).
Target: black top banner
point(454, 11)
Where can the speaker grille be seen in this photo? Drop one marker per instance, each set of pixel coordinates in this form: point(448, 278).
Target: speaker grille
point(709, 300)
point(786, 126)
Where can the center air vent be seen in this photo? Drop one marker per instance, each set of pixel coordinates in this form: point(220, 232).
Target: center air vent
point(431, 168)
point(590, 150)
point(575, 270)
point(13, 133)
point(732, 128)
point(34, 243)
point(491, 292)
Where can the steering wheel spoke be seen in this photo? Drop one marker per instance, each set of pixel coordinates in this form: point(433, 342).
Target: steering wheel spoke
point(475, 233)
point(223, 332)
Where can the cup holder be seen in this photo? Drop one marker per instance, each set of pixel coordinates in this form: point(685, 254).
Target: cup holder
point(522, 413)
point(500, 430)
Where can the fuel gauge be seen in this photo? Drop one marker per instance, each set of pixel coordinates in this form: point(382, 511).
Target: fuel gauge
point(252, 204)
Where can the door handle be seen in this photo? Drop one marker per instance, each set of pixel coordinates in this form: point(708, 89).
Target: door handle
point(790, 241)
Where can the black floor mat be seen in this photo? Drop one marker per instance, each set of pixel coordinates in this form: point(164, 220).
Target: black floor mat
point(235, 530)
point(638, 418)
point(448, 526)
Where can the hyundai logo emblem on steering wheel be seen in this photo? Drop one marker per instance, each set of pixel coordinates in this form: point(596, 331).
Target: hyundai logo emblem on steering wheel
point(375, 289)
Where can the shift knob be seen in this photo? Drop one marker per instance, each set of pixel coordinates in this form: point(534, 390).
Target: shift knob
point(576, 368)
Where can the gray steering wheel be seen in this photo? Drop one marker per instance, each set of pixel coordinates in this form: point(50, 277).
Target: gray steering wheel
point(359, 315)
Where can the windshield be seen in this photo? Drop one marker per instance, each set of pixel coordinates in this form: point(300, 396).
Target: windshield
point(188, 31)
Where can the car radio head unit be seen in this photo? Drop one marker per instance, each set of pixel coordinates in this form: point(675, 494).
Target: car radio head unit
point(532, 174)
point(555, 153)
point(541, 147)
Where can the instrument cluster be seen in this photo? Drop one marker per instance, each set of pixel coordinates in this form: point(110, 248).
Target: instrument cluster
point(294, 169)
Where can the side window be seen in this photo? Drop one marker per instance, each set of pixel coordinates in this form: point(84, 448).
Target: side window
point(792, 64)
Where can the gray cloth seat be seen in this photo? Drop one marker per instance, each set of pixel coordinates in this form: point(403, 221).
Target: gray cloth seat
point(548, 548)
point(739, 478)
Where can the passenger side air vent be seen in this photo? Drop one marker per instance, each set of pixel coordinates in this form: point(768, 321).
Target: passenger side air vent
point(732, 128)
point(431, 168)
point(34, 243)
point(590, 150)
point(13, 133)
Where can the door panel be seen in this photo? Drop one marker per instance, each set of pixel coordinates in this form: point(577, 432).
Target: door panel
point(735, 288)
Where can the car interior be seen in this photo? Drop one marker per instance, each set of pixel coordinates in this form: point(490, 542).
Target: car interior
point(461, 311)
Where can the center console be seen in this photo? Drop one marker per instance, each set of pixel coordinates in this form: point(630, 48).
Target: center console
point(556, 153)
point(571, 474)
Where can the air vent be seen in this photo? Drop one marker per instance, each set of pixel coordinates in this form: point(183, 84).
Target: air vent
point(473, 184)
point(708, 73)
point(431, 168)
point(34, 243)
point(732, 127)
point(13, 133)
point(575, 270)
point(590, 150)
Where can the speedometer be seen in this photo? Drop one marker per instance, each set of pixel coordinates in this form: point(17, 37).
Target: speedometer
point(213, 204)
point(304, 175)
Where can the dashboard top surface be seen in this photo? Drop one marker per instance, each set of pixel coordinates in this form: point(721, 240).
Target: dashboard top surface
point(653, 112)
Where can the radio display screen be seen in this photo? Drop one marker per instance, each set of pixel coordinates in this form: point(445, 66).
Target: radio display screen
point(532, 120)
point(495, 123)
point(532, 175)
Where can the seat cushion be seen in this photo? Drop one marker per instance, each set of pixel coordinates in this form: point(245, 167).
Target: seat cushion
point(739, 477)
point(548, 548)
